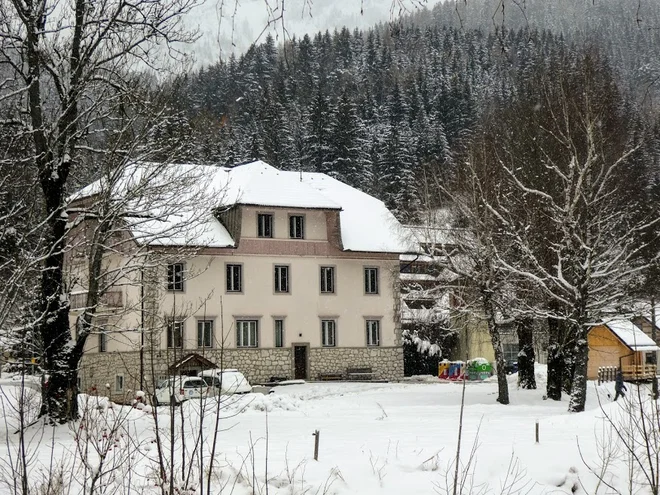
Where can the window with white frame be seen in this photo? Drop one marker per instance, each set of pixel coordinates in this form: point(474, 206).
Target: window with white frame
point(371, 280)
point(328, 333)
point(327, 279)
point(175, 334)
point(296, 226)
point(175, 277)
point(373, 332)
point(281, 278)
point(204, 333)
point(264, 225)
point(234, 278)
point(279, 332)
point(247, 333)
point(119, 383)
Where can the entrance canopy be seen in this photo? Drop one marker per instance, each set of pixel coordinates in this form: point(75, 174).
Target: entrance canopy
point(191, 364)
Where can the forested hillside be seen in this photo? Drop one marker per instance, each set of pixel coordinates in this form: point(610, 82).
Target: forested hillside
point(386, 109)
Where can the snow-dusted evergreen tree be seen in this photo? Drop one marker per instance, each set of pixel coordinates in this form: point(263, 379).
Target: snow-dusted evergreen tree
point(316, 151)
point(397, 166)
point(348, 154)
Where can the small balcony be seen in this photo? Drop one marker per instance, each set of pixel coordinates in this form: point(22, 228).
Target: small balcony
point(639, 372)
point(111, 299)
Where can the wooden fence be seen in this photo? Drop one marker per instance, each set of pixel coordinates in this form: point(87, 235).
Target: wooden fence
point(607, 374)
point(631, 373)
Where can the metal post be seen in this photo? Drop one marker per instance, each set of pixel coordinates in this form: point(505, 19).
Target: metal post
point(537, 432)
point(316, 435)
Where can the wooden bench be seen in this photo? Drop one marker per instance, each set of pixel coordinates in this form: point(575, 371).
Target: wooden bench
point(359, 373)
point(330, 377)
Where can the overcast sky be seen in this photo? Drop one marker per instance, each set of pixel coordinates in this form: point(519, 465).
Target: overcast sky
point(214, 21)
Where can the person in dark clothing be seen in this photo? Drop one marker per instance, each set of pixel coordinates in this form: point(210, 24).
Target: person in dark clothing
point(619, 387)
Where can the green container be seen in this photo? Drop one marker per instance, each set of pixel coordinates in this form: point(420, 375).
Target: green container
point(479, 369)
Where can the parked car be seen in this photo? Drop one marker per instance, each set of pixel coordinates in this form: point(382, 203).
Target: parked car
point(511, 367)
point(177, 389)
point(225, 382)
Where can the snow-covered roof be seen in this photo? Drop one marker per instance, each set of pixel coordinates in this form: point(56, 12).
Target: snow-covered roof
point(420, 277)
point(167, 204)
point(366, 223)
point(260, 184)
point(631, 335)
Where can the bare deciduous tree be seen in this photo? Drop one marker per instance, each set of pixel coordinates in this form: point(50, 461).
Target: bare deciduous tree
point(67, 69)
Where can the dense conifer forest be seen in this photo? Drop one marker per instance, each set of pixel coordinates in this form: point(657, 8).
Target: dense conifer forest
point(389, 108)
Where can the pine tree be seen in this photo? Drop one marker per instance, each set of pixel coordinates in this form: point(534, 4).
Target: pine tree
point(317, 139)
point(348, 159)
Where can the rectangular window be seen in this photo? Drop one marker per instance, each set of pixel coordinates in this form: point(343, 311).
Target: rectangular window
point(119, 383)
point(204, 333)
point(328, 333)
point(510, 351)
point(281, 278)
point(175, 277)
point(327, 279)
point(247, 332)
point(279, 333)
point(175, 334)
point(234, 278)
point(103, 341)
point(371, 280)
point(373, 332)
point(264, 225)
point(297, 227)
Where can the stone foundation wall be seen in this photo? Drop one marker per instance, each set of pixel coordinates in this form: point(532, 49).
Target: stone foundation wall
point(385, 362)
point(258, 365)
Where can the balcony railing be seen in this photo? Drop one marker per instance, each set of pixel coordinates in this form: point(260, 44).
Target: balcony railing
point(639, 372)
point(110, 299)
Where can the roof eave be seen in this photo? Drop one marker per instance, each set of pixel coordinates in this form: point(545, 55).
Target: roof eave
point(262, 205)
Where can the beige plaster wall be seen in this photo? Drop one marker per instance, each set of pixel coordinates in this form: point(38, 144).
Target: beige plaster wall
point(315, 224)
point(302, 308)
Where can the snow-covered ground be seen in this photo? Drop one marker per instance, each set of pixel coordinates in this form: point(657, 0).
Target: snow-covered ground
point(385, 438)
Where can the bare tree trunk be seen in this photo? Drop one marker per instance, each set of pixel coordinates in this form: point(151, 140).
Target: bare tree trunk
point(569, 365)
point(494, 331)
point(54, 324)
point(526, 357)
point(555, 360)
point(580, 361)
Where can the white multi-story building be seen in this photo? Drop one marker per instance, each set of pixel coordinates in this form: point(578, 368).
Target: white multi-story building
point(284, 274)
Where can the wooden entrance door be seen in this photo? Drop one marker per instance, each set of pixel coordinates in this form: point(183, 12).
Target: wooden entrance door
point(300, 362)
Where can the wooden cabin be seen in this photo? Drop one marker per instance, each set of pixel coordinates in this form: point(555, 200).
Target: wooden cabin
point(622, 344)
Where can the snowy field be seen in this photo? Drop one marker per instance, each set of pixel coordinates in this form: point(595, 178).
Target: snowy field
point(374, 439)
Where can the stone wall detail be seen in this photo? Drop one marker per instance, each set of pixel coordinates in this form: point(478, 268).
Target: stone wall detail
point(386, 363)
point(99, 370)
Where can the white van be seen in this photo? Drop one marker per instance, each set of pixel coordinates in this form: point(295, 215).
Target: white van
point(179, 388)
point(225, 382)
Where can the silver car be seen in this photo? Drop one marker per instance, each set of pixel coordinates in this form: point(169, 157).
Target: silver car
point(225, 382)
point(176, 389)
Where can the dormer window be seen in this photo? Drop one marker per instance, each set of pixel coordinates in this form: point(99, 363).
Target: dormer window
point(296, 226)
point(264, 225)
